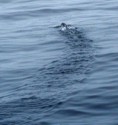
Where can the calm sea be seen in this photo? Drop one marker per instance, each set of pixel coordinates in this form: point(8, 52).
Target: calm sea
point(52, 78)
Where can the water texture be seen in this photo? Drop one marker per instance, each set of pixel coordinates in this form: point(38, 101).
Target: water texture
point(54, 77)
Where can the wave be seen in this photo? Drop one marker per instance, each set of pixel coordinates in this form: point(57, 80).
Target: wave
point(55, 83)
point(71, 69)
point(34, 13)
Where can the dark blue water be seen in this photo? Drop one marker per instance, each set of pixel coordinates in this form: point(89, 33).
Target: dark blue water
point(51, 77)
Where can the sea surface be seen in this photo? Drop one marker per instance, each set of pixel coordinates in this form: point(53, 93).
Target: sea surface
point(52, 77)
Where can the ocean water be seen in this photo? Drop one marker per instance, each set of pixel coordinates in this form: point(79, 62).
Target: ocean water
point(51, 77)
